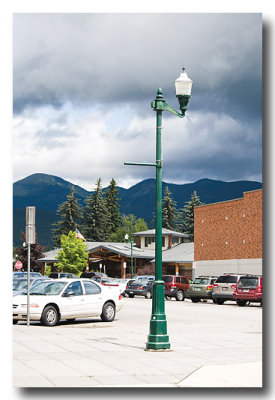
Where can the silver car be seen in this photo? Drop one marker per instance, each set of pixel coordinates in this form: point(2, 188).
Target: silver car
point(19, 286)
point(224, 287)
point(201, 288)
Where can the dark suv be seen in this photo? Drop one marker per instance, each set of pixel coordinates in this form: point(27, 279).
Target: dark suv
point(175, 286)
point(89, 275)
point(57, 275)
point(248, 289)
point(140, 288)
point(224, 287)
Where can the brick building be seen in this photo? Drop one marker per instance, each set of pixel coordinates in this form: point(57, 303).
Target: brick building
point(228, 236)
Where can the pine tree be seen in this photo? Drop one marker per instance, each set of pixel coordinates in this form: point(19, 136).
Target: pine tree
point(112, 203)
point(187, 216)
point(70, 216)
point(169, 211)
point(96, 216)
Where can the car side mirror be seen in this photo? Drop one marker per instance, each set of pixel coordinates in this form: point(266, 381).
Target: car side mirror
point(68, 294)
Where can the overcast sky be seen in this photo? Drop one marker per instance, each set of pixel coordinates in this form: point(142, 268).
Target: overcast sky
point(83, 86)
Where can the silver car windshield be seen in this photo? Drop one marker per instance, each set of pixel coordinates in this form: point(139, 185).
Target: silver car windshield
point(20, 284)
point(201, 281)
point(48, 288)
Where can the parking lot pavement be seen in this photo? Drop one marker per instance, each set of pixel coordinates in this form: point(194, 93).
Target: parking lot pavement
point(211, 346)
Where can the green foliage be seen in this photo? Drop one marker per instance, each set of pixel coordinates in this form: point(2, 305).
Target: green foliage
point(69, 216)
point(73, 256)
point(112, 203)
point(129, 224)
point(36, 253)
point(169, 211)
point(48, 270)
point(96, 216)
point(187, 216)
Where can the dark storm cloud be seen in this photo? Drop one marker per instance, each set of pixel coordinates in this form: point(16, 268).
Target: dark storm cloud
point(110, 66)
point(123, 57)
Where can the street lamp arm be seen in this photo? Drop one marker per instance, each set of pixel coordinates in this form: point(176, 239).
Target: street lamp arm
point(141, 164)
point(159, 104)
point(167, 107)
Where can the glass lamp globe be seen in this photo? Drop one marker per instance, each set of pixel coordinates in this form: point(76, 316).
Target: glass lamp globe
point(183, 84)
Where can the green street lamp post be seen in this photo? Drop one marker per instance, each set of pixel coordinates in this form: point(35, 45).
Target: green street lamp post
point(131, 243)
point(158, 338)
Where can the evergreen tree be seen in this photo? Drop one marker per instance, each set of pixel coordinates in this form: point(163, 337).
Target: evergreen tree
point(70, 216)
point(169, 211)
point(187, 216)
point(112, 203)
point(36, 253)
point(73, 256)
point(96, 216)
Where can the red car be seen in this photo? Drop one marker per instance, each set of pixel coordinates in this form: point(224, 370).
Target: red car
point(248, 289)
point(175, 286)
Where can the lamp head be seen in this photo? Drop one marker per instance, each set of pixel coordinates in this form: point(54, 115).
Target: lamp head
point(183, 87)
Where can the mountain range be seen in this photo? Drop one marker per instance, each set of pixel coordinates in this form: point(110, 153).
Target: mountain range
point(47, 192)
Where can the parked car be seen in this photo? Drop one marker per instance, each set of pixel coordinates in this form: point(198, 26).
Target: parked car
point(224, 287)
point(248, 289)
point(142, 277)
point(140, 288)
point(175, 286)
point(57, 275)
point(105, 280)
point(90, 274)
point(201, 288)
point(67, 299)
point(23, 274)
point(20, 285)
point(122, 284)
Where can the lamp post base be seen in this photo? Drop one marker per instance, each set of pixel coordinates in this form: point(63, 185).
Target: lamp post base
point(158, 338)
point(158, 343)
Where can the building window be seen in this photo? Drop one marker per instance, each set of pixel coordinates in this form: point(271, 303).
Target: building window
point(149, 240)
point(175, 240)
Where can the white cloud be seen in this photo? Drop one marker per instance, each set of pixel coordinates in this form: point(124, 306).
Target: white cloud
point(83, 84)
point(82, 147)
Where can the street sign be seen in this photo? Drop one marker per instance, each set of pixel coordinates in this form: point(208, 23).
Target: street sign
point(18, 265)
point(30, 225)
point(30, 239)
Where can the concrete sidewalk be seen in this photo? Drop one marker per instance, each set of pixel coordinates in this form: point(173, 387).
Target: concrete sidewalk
point(97, 354)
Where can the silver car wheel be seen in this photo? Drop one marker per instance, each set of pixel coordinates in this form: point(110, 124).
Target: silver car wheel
point(51, 316)
point(110, 312)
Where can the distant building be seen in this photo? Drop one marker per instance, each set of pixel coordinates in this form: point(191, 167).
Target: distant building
point(115, 258)
point(177, 256)
point(228, 236)
point(179, 259)
point(146, 239)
